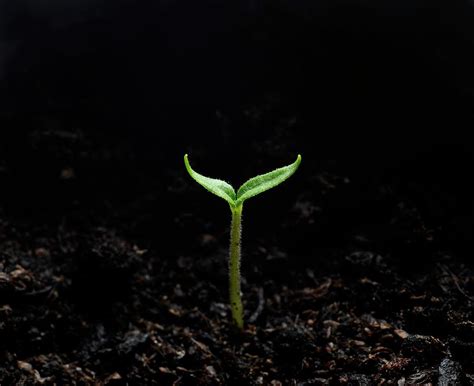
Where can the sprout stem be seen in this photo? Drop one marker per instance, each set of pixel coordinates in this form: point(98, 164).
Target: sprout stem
point(234, 267)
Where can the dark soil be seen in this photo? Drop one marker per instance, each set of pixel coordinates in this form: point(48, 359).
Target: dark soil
point(113, 271)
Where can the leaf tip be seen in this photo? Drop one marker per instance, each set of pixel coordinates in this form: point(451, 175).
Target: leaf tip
point(296, 164)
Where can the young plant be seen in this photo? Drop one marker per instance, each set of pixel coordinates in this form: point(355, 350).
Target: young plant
point(251, 188)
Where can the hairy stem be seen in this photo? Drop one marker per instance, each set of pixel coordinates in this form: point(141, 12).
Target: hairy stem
point(234, 268)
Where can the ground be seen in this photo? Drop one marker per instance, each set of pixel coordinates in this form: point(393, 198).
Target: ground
point(113, 269)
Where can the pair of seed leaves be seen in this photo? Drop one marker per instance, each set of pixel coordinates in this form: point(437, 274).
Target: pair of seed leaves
point(251, 188)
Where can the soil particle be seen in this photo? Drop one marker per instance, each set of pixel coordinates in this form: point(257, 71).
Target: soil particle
point(450, 373)
point(356, 380)
point(364, 260)
point(292, 343)
point(131, 341)
point(423, 348)
point(421, 377)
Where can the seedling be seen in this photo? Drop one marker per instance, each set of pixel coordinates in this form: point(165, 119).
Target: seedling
point(251, 188)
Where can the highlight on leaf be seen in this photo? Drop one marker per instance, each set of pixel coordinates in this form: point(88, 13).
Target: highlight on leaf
point(264, 182)
point(218, 187)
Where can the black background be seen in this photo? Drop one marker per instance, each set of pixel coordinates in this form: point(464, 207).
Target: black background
point(397, 73)
point(378, 90)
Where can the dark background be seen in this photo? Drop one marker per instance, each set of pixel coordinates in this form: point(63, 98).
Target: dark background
point(382, 91)
point(389, 71)
point(118, 91)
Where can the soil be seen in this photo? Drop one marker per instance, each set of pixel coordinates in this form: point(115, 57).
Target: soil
point(113, 269)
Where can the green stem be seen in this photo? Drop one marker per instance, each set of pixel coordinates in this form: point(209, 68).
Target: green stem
point(234, 268)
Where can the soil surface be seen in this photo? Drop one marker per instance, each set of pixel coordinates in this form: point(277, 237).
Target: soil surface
point(113, 265)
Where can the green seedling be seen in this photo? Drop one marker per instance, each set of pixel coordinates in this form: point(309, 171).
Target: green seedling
point(251, 188)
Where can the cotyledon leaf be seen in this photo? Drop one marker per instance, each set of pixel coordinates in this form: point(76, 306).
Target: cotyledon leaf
point(264, 182)
point(218, 187)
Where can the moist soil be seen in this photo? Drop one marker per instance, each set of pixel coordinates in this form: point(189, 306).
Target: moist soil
point(113, 262)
